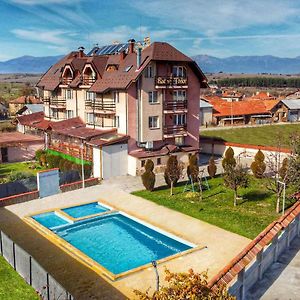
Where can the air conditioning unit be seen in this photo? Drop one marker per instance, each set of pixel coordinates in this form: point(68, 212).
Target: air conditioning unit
point(149, 145)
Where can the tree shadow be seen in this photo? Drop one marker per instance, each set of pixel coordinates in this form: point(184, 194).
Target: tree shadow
point(255, 196)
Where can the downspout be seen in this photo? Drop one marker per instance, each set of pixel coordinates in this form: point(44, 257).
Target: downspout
point(76, 103)
point(94, 100)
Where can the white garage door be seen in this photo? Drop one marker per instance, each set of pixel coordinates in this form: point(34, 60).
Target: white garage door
point(115, 160)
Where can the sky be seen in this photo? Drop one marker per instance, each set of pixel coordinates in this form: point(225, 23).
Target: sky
point(219, 28)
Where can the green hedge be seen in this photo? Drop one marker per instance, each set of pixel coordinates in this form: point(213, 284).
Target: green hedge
point(68, 157)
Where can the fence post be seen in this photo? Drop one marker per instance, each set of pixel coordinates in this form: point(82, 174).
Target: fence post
point(1, 246)
point(14, 255)
point(30, 270)
point(275, 242)
point(48, 289)
point(242, 290)
point(260, 258)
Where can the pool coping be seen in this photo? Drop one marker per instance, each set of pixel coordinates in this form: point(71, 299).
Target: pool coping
point(89, 262)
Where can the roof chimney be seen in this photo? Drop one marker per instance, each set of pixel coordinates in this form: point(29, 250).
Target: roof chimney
point(81, 51)
point(123, 55)
point(138, 57)
point(131, 43)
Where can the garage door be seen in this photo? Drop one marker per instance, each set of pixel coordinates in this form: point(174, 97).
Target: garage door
point(293, 116)
point(115, 160)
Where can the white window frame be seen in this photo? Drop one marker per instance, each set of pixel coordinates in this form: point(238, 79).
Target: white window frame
point(90, 95)
point(179, 95)
point(68, 94)
point(69, 114)
point(116, 97)
point(153, 97)
point(117, 121)
point(179, 140)
point(149, 72)
point(179, 119)
point(151, 122)
point(54, 113)
point(90, 118)
point(180, 71)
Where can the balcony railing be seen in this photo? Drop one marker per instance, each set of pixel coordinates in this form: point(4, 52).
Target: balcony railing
point(66, 80)
point(88, 80)
point(170, 81)
point(99, 105)
point(175, 130)
point(175, 105)
point(58, 102)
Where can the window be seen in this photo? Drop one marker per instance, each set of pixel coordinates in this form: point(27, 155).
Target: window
point(179, 119)
point(179, 140)
point(117, 121)
point(153, 122)
point(54, 113)
point(116, 97)
point(159, 161)
point(149, 72)
point(69, 94)
point(143, 163)
point(152, 97)
point(179, 71)
point(90, 96)
point(69, 114)
point(179, 95)
point(90, 118)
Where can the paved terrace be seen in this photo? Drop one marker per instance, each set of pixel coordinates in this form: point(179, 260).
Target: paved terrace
point(83, 283)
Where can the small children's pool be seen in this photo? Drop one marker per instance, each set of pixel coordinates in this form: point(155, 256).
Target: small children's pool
point(115, 241)
point(85, 210)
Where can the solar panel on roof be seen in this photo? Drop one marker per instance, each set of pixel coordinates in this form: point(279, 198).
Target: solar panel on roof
point(109, 49)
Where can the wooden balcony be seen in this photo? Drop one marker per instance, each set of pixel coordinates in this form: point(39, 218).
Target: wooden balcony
point(171, 82)
point(88, 80)
point(174, 130)
point(172, 106)
point(58, 102)
point(98, 105)
point(66, 80)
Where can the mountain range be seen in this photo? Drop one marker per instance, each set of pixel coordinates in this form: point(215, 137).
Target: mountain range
point(209, 64)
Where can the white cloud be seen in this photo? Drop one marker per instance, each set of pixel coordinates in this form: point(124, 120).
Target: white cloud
point(49, 37)
point(214, 17)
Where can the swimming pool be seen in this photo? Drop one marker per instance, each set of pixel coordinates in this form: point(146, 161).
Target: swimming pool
point(113, 242)
point(84, 210)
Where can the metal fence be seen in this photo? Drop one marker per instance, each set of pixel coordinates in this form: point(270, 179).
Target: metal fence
point(265, 258)
point(46, 286)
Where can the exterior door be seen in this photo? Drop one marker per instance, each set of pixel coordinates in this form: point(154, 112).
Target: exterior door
point(4, 155)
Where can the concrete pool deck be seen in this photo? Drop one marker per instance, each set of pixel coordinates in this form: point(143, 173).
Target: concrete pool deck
point(82, 282)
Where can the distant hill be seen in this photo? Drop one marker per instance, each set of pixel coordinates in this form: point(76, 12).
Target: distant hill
point(249, 64)
point(28, 64)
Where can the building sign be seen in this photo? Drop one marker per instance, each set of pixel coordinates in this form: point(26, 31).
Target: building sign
point(171, 81)
point(48, 183)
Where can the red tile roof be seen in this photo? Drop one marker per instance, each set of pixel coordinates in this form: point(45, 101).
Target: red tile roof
point(31, 119)
point(67, 124)
point(84, 132)
point(27, 100)
point(262, 96)
point(9, 139)
point(108, 139)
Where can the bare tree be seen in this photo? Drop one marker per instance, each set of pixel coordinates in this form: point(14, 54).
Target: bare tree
point(173, 172)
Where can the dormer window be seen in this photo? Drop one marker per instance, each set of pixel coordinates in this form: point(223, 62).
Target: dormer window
point(149, 72)
point(89, 75)
point(179, 71)
point(111, 68)
point(67, 75)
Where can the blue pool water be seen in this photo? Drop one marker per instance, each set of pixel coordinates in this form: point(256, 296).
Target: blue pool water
point(85, 210)
point(50, 220)
point(119, 243)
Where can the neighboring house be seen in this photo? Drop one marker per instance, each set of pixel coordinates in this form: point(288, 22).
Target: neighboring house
point(3, 111)
point(17, 104)
point(147, 93)
point(230, 95)
point(30, 109)
point(206, 113)
point(15, 146)
point(262, 96)
point(248, 112)
point(293, 107)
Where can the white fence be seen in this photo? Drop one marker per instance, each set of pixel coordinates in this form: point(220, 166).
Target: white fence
point(46, 286)
point(265, 258)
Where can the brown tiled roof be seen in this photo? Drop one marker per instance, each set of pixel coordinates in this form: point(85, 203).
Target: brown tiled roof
point(31, 118)
point(84, 132)
point(244, 258)
point(167, 149)
point(27, 100)
point(10, 139)
point(108, 139)
point(66, 124)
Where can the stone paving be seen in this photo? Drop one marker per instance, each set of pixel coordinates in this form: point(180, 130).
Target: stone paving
point(282, 279)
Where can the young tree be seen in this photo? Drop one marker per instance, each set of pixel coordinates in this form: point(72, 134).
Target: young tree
point(212, 168)
point(235, 177)
point(258, 167)
point(148, 176)
point(189, 285)
point(229, 160)
point(173, 172)
point(193, 168)
point(293, 176)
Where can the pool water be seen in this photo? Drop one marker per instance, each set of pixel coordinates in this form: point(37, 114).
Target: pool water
point(85, 210)
point(50, 220)
point(116, 241)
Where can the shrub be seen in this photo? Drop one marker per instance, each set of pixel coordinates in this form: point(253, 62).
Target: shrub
point(56, 160)
point(50, 160)
point(229, 160)
point(193, 168)
point(67, 165)
point(38, 154)
point(284, 168)
point(19, 176)
point(61, 165)
point(87, 171)
point(258, 167)
point(212, 168)
point(173, 172)
point(148, 176)
point(43, 160)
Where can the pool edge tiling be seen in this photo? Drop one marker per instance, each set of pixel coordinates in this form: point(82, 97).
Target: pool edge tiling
point(96, 266)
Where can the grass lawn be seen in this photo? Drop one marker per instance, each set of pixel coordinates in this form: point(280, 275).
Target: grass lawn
point(12, 285)
point(265, 135)
point(8, 168)
point(249, 218)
